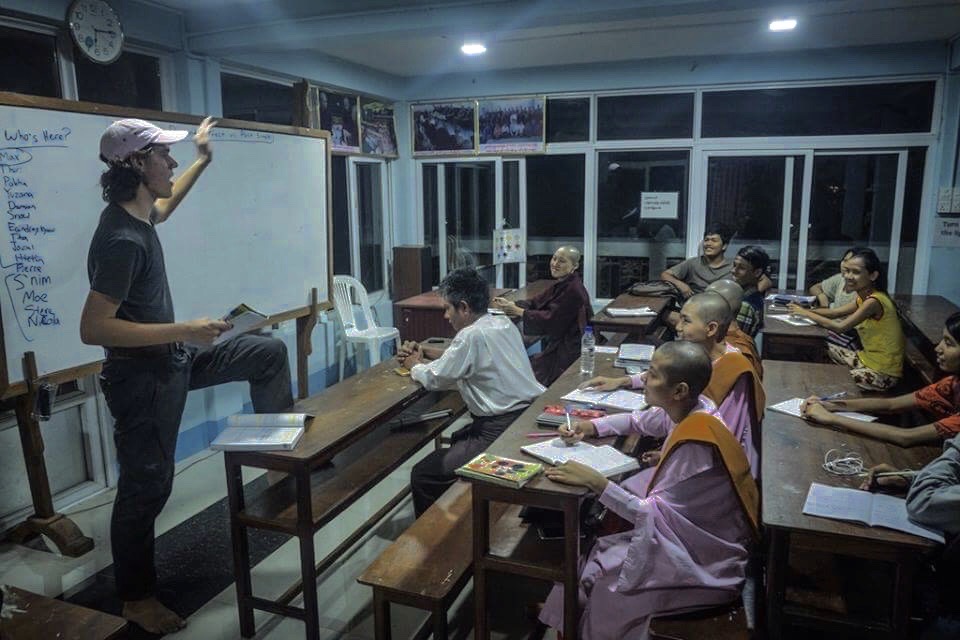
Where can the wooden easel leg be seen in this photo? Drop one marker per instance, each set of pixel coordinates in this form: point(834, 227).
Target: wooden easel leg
point(305, 327)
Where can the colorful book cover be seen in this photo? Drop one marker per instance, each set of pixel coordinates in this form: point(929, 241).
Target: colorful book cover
point(505, 471)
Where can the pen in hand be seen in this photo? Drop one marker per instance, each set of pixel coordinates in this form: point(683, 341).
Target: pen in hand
point(834, 396)
point(566, 411)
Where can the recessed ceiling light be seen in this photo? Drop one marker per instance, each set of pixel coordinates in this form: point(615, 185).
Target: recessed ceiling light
point(473, 48)
point(783, 25)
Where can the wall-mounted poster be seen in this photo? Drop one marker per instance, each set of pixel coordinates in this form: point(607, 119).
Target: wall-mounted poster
point(511, 125)
point(444, 128)
point(509, 246)
point(378, 134)
point(338, 115)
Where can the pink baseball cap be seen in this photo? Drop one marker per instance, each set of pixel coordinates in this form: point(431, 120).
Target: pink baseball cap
point(126, 136)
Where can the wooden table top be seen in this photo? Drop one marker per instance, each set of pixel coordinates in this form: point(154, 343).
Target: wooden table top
point(510, 441)
point(780, 328)
point(602, 321)
point(432, 299)
point(927, 314)
point(44, 617)
point(793, 451)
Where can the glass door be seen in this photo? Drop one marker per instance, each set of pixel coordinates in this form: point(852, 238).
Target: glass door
point(368, 189)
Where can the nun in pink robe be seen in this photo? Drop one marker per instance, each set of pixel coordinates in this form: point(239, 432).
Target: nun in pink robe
point(687, 548)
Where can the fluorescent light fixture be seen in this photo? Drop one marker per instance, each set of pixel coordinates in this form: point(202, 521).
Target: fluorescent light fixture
point(783, 25)
point(473, 48)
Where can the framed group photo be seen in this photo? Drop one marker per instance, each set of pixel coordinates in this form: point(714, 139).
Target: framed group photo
point(339, 115)
point(511, 125)
point(444, 128)
point(378, 134)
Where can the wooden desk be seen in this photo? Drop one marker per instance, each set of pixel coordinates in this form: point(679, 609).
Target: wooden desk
point(792, 456)
point(351, 412)
point(784, 341)
point(421, 316)
point(492, 555)
point(45, 617)
point(923, 318)
point(602, 321)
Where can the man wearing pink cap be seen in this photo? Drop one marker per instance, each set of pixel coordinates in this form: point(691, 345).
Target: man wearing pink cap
point(152, 361)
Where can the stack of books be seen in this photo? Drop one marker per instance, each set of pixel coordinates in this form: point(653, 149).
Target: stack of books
point(783, 299)
point(261, 432)
point(555, 415)
point(634, 356)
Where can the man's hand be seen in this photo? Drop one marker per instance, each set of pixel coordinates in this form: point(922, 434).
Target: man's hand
point(579, 475)
point(202, 138)
point(684, 289)
point(872, 482)
point(406, 349)
point(204, 331)
point(413, 355)
point(603, 383)
point(579, 429)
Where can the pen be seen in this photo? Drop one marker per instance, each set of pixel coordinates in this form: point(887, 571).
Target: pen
point(566, 410)
point(886, 474)
point(539, 434)
point(834, 396)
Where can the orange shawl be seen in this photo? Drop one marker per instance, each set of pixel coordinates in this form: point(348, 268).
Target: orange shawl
point(726, 371)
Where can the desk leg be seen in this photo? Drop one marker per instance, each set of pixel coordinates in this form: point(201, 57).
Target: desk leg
point(307, 559)
point(381, 615)
point(902, 585)
point(481, 545)
point(571, 569)
point(241, 549)
point(777, 548)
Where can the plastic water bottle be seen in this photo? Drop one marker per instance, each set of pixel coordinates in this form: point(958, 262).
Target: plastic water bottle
point(587, 356)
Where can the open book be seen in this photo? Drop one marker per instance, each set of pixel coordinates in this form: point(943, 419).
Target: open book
point(621, 399)
point(874, 509)
point(605, 459)
point(243, 318)
point(791, 407)
point(261, 432)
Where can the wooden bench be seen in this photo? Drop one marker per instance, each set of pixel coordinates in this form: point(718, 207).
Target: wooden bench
point(44, 617)
point(723, 623)
point(429, 564)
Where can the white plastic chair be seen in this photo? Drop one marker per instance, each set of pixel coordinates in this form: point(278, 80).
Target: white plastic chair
point(346, 289)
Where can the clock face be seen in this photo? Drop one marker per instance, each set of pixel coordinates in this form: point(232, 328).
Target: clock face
point(96, 29)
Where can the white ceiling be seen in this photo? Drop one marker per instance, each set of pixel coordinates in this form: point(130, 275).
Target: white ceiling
point(422, 37)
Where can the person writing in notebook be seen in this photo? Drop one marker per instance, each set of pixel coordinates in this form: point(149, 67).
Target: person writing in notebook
point(940, 401)
point(559, 314)
point(682, 529)
point(487, 363)
point(152, 360)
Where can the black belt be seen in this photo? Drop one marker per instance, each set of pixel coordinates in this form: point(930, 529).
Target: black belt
point(153, 351)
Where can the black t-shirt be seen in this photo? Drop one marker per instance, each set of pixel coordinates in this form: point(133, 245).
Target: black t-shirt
point(125, 262)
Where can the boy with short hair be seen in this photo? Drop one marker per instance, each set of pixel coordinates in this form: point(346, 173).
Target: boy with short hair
point(749, 266)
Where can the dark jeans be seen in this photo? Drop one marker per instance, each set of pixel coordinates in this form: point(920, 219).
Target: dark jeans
point(435, 474)
point(146, 397)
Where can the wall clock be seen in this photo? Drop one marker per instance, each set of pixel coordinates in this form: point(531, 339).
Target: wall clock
point(95, 28)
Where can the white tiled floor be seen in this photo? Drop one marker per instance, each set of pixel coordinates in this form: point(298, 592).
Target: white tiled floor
point(345, 606)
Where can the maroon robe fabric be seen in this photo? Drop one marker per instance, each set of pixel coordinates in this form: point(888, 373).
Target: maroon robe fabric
point(559, 314)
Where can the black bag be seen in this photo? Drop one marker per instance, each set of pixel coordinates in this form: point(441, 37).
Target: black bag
point(658, 288)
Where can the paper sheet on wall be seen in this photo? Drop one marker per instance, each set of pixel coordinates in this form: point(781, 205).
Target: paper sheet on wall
point(659, 205)
point(509, 245)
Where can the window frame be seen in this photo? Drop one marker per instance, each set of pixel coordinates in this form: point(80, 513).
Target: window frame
point(386, 208)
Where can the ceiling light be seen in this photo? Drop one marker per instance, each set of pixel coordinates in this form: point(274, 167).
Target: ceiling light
point(473, 48)
point(783, 25)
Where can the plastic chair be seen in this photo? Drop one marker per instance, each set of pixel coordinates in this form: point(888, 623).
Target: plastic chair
point(346, 289)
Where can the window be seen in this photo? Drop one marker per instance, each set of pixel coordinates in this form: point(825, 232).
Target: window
point(470, 212)
point(431, 214)
point(511, 215)
point(246, 98)
point(341, 216)
point(132, 81)
point(903, 107)
point(29, 63)
point(913, 190)
point(630, 247)
point(555, 193)
point(652, 116)
point(568, 119)
point(370, 194)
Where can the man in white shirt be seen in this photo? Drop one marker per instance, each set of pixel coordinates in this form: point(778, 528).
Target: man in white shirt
point(487, 362)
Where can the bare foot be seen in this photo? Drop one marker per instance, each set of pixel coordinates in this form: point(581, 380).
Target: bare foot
point(152, 616)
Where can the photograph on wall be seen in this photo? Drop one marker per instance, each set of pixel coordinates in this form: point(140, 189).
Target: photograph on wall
point(338, 115)
point(378, 134)
point(511, 125)
point(444, 128)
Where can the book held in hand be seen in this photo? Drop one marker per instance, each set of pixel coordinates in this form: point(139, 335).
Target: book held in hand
point(261, 432)
point(499, 470)
point(243, 318)
point(873, 509)
point(604, 459)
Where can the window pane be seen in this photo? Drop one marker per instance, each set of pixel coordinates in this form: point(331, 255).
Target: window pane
point(904, 107)
point(470, 202)
point(257, 100)
point(568, 119)
point(511, 216)
point(555, 192)
point(370, 210)
point(630, 248)
point(431, 217)
point(916, 158)
point(667, 115)
point(29, 63)
point(132, 81)
point(341, 217)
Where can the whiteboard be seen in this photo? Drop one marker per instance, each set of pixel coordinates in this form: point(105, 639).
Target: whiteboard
point(254, 229)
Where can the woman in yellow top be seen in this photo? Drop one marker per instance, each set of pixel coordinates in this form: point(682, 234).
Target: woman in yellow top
point(879, 365)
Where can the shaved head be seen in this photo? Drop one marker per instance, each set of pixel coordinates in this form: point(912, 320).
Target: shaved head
point(572, 254)
point(710, 307)
point(682, 361)
point(731, 292)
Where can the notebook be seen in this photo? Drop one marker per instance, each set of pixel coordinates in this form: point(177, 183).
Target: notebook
point(604, 459)
point(638, 312)
point(261, 432)
point(499, 470)
point(635, 356)
point(792, 407)
point(242, 318)
point(873, 509)
point(791, 298)
point(621, 399)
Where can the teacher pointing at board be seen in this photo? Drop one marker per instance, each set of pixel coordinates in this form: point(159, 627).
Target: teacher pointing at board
point(151, 360)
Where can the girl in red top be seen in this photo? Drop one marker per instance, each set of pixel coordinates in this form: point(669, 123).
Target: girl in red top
point(941, 400)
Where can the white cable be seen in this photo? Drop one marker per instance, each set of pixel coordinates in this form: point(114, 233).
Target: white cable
point(843, 463)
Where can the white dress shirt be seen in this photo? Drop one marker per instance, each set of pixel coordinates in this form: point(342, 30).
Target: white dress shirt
point(488, 363)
